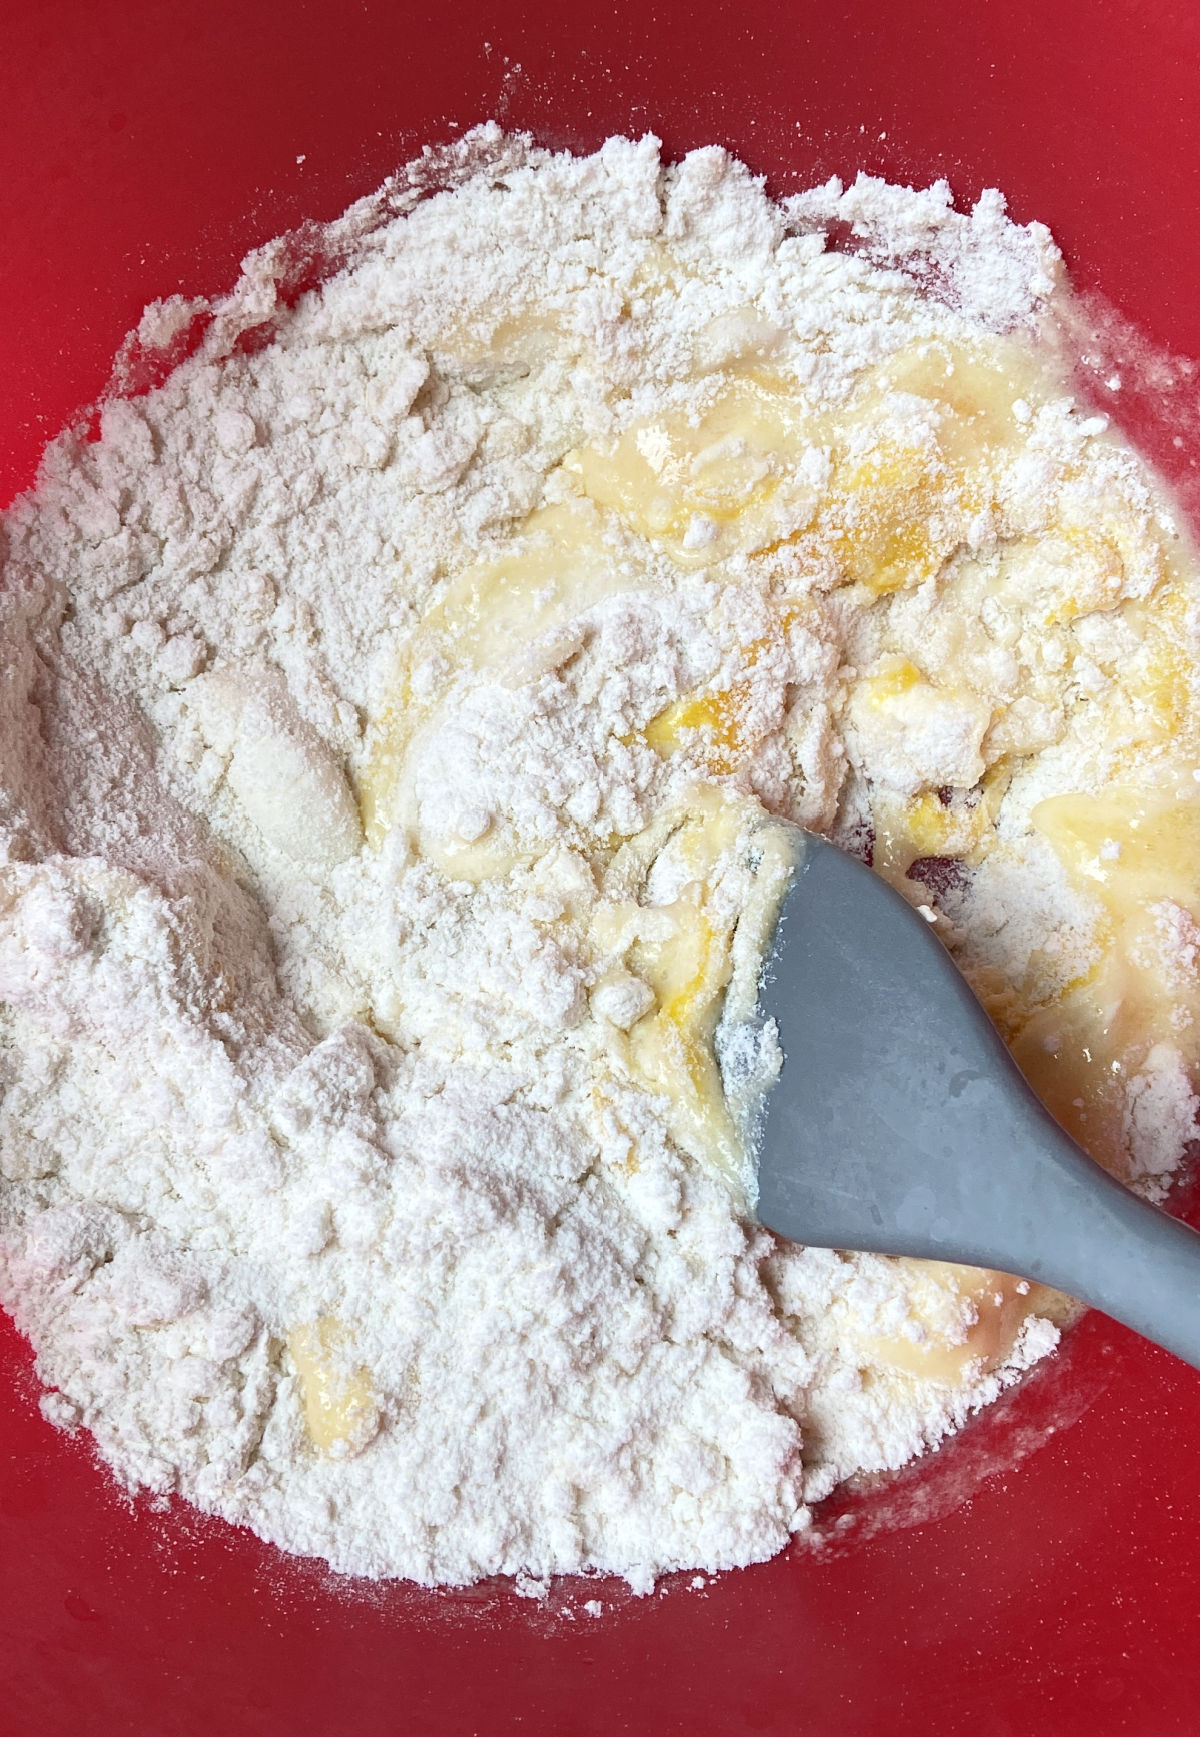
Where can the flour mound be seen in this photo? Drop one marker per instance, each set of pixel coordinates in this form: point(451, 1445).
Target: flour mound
point(260, 1072)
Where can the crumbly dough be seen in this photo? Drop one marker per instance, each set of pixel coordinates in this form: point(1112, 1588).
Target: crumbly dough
point(396, 702)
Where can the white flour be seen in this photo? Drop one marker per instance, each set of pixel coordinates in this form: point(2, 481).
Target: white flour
point(579, 1355)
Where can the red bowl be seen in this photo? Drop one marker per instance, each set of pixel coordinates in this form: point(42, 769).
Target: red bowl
point(1037, 1578)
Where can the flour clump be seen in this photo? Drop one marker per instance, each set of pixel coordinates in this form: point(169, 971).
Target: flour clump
point(398, 705)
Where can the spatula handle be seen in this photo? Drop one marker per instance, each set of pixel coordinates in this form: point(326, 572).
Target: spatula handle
point(1099, 1242)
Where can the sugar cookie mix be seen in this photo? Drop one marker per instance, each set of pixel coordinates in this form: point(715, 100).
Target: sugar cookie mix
point(396, 703)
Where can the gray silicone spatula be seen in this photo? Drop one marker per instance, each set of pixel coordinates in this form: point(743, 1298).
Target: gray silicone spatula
point(900, 1124)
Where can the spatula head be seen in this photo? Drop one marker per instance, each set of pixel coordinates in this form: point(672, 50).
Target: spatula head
point(899, 1124)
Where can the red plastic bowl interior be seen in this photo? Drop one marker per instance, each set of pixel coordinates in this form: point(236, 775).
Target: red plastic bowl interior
point(1037, 1578)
